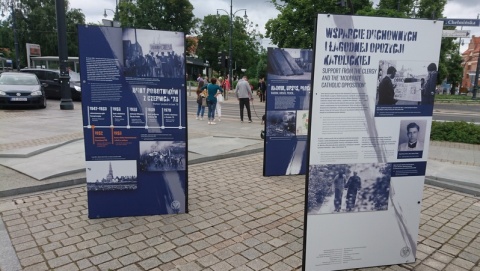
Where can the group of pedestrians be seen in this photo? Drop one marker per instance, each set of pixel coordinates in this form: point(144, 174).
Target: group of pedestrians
point(353, 185)
point(210, 94)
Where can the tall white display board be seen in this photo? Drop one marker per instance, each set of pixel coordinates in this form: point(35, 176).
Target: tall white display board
point(370, 118)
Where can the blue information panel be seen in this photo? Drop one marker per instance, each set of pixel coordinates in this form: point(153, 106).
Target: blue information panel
point(287, 103)
point(134, 117)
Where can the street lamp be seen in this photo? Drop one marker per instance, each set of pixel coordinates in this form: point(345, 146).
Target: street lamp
point(230, 58)
point(105, 12)
point(5, 5)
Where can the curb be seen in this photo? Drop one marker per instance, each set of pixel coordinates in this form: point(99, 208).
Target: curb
point(463, 187)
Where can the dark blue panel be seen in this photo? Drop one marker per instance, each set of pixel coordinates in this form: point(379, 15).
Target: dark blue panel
point(134, 117)
point(409, 169)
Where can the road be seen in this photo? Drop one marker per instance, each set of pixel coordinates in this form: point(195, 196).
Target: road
point(456, 112)
point(230, 110)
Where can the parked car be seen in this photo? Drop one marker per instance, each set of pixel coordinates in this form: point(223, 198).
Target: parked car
point(21, 89)
point(52, 79)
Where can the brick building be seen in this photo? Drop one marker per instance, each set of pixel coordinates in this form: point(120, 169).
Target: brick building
point(470, 62)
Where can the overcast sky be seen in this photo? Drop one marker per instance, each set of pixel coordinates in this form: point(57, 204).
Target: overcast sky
point(260, 11)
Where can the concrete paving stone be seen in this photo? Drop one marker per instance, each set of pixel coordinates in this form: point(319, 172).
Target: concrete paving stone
point(68, 267)
point(442, 257)
point(129, 259)
point(437, 265)
point(84, 264)
point(117, 243)
point(71, 240)
point(81, 254)
point(90, 235)
point(122, 234)
point(174, 234)
point(100, 258)
point(190, 267)
point(185, 250)
point(457, 243)
point(244, 268)
point(22, 239)
point(280, 266)
point(432, 243)
point(209, 231)
point(25, 246)
point(66, 250)
point(100, 249)
point(86, 244)
point(251, 253)
point(463, 263)
point(208, 260)
point(132, 267)
point(464, 238)
point(449, 249)
point(150, 263)
point(470, 257)
point(168, 256)
point(59, 261)
point(137, 246)
point(164, 247)
point(37, 267)
point(277, 242)
point(452, 267)
point(221, 266)
point(136, 238)
point(224, 253)
point(294, 261)
point(35, 259)
point(19, 233)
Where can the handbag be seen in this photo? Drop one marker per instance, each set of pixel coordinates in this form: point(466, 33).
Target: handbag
point(199, 100)
point(204, 101)
point(220, 97)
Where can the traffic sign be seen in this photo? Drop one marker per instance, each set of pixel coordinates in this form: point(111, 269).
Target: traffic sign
point(460, 22)
point(456, 33)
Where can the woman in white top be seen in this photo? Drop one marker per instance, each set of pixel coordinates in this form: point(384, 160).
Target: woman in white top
point(220, 99)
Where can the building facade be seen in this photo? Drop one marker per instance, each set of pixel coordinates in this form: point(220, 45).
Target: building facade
point(470, 62)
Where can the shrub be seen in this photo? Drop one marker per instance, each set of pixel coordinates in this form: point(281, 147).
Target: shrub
point(459, 131)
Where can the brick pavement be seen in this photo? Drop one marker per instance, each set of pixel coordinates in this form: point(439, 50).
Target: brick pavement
point(238, 220)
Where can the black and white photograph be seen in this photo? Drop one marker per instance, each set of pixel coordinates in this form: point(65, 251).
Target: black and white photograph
point(412, 135)
point(281, 123)
point(111, 175)
point(406, 82)
point(153, 53)
point(162, 156)
point(347, 188)
point(292, 64)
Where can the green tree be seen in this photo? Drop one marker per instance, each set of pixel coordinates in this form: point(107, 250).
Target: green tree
point(168, 15)
point(294, 27)
point(215, 37)
point(36, 23)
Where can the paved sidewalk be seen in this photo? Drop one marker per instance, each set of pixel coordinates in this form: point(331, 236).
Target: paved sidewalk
point(238, 220)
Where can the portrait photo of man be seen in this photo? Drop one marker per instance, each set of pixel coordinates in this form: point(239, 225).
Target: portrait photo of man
point(412, 134)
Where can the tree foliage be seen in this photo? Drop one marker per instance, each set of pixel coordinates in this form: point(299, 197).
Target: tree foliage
point(168, 15)
point(215, 38)
point(36, 23)
point(294, 27)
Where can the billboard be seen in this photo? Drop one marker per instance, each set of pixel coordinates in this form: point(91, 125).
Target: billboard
point(286, 118)
point(134, 117)
point(371, 112)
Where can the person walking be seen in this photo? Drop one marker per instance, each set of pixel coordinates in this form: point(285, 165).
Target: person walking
point(262, 88)
point(200, 97)
point(243, 91)
point(338, 186)
point(218, 108)
point(353, 185)
point(212, 90)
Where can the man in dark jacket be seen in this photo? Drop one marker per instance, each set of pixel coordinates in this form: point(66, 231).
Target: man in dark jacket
point(353, 184)
point(428, 90)
point(386, 91)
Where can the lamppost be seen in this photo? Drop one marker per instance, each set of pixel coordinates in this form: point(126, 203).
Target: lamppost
point(475, 86)
point(105, 12)
point(10, 4)
point(230, 57)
